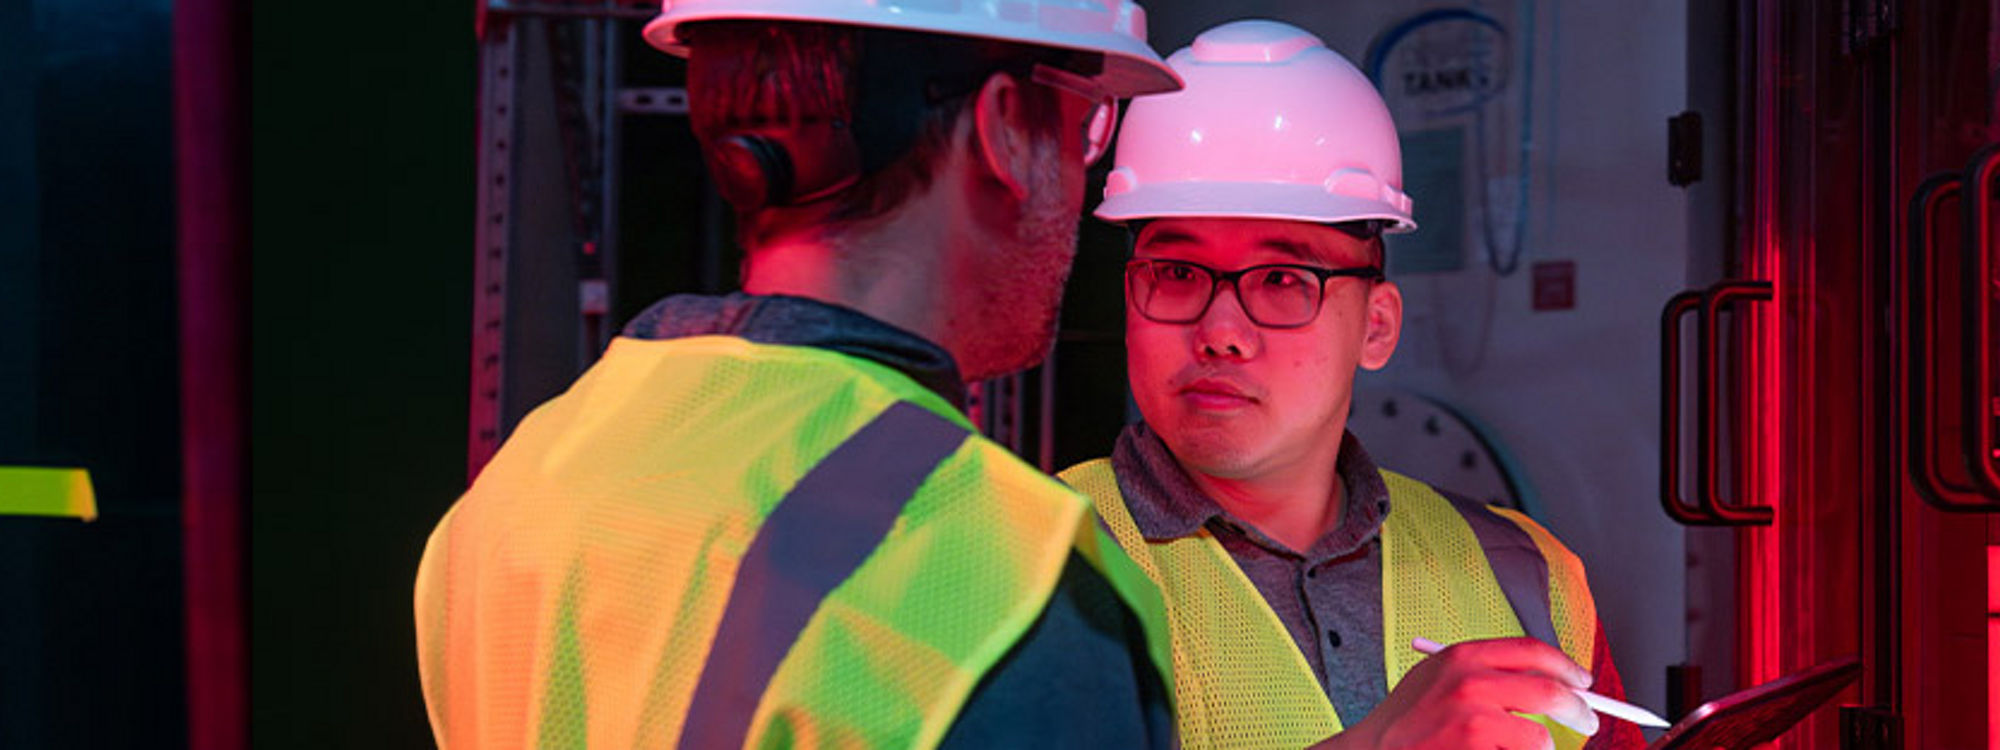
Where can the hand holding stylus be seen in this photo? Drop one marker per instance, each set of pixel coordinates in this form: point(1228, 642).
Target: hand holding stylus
point(1599, 703)
point(1471, 695)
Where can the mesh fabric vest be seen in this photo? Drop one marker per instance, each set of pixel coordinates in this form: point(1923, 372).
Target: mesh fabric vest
point(572, 596)
point(1241, 682)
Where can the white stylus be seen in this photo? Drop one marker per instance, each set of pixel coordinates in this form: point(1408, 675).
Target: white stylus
point(1598, 703)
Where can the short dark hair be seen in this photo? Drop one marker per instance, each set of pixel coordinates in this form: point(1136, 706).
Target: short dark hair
point(745, 74)
point(1369, 231)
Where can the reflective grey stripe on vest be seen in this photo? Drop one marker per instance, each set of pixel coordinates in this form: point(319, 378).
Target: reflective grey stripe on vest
point(812, 541)
point(1517, 563)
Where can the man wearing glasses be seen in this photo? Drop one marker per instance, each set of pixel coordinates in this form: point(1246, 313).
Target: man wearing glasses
point(761, 519)
point(1297, 574)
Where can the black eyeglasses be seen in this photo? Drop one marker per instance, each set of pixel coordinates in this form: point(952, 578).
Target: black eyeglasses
point(1278, 295)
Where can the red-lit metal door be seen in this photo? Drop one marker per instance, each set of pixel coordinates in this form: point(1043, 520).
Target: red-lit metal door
point(1930, 629)
point(1807, 382)
point(1858, 403)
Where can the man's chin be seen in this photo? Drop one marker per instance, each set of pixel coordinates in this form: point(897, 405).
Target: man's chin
point(1209, 452)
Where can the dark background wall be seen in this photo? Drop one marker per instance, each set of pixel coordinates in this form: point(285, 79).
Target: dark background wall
point(90, 614)
point(361, 183)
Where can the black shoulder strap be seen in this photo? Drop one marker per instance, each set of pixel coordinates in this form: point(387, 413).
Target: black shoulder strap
point(1517, 563)
point(817, 536)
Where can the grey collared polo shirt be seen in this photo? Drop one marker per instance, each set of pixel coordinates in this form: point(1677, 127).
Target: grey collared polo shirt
point(1328, 596)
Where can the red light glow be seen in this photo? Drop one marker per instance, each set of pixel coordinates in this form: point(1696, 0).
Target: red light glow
point(1993, 647)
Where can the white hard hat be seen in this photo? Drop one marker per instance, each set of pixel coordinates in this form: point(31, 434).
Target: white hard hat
point(1271, 125)
point(1113, 28)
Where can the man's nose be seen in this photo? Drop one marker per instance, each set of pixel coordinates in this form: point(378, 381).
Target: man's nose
point(1225, 331)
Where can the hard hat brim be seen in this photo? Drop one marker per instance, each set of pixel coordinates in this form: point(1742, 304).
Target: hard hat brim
point(1130, 67)
point(1248, 200)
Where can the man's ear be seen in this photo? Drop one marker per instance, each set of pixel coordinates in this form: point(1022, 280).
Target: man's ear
point(1384, 326)
point(1000, 132)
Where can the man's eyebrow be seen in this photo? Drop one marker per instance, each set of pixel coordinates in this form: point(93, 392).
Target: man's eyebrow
point(1170, 237)
point(1297, 250)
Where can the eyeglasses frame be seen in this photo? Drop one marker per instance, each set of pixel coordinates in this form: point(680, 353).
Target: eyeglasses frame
point(1217, 278)
point(1104, 107)
point(1103, 112)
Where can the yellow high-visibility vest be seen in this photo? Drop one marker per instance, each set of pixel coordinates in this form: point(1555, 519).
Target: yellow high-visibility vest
point(577, 594)
point(1241, 682)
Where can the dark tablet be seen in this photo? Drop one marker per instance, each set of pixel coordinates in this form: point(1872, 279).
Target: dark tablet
point(1740, 720)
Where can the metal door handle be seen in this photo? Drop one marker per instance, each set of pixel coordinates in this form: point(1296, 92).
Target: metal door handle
point(1981, 442)
point(1670, 410)
point(1708, 508)
point(1709, 492)
point(1920, 405)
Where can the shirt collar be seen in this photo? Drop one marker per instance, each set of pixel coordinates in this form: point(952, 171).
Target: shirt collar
point(1166, 504)
point(798, 321)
